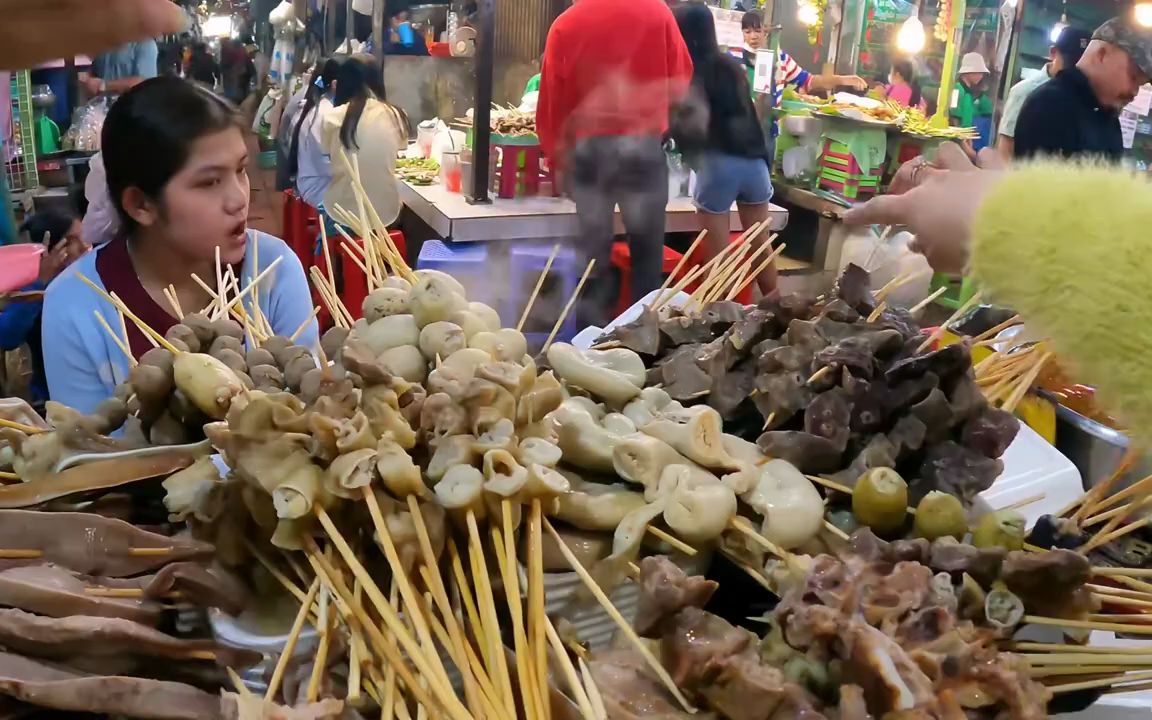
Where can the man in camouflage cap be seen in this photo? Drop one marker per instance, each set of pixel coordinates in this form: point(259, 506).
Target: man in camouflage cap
point(1077, 113)
point(1119, 60)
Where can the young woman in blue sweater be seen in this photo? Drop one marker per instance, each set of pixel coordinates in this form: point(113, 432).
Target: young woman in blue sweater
point(177, 172)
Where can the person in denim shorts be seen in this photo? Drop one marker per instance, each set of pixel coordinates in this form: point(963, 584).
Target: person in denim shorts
point(720, 134)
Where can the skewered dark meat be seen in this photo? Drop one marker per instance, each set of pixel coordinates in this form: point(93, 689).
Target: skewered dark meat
point(683, 377)
point(783, 393)
point(936, 414)
point(731, 389)
point(80, 635)
point(722, 314)
point(630, 692)
point(1057, 532)
point(910, 550)
point(834, 331)
point(890, 678)
point(840, 311)
point(983, 564)
point(945, 362)
point(59, 688)
point(785, 358)
point(751, 329)
point(642, 335)
point(852, 705)
point(665, 591)
point(900, 320)
point(907, 436)
point(694, 641)
point(828, 416)
point(1028, 573)
point(909, 392)
point(686, 330)
point(855, 288)
point(201, 586)
point(90, 544)
point(965, 397)
point(878, 453)
point(956, 470)
point(747, 689)
point(990, 432)
point(54, 591)
point(764, 346)
point(810, 453)
point(868, 404)
point(853, 353)
point(806, 334)
point(716, 357)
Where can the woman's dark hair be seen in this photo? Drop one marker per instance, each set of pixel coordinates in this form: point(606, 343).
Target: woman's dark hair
point(149, 133)
point(51, 223)
point(904, 69)
point(321, 82)
point(752, 20)
point(710, 64)
point(359, 79)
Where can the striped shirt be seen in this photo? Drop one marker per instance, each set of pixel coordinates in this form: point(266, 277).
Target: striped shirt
point(788, 71)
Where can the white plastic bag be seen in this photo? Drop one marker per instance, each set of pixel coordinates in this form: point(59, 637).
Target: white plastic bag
point(887, 260)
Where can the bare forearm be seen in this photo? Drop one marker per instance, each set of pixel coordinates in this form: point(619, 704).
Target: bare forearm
point(1005, 147)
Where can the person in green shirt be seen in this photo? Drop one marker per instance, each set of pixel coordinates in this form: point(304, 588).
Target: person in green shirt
point(971, 105)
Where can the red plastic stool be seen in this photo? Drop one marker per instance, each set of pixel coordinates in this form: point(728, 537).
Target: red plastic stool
point(519, 170)
point(699, 258)
point(354, 285)
point(622, 261)
point(301, 227)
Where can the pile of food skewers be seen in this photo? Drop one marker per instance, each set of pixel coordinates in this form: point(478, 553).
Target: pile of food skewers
point(413, 480)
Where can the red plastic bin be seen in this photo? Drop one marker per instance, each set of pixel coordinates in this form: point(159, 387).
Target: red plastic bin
point(622, 261)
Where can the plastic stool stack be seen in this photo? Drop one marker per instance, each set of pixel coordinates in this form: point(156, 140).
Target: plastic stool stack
point(301, 225)
point(519, 169)
point(622, 261)
point(468, 263)
point(525, 263)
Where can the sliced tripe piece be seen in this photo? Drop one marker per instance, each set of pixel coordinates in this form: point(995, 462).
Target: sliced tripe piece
point(615, 376)
point(697, 433)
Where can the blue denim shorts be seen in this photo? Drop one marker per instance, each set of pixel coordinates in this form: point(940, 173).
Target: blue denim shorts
point(723, 179)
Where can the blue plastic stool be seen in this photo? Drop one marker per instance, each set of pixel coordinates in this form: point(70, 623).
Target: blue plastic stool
point(468, 263)
point(525, 263)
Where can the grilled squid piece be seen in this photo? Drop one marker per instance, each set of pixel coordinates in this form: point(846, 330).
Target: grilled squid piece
point(626, 542)
point(595, 506)
point(453, 450)
point(384, 302)
point(400, 475)
point(792, 507)
point(504, 344)
point(300, 489)
point(544, 396)
point(537, 451)
point(187, 490)
point(697, 433)
point(616, 376)
point(698, 510)
point(461, 490)
point(585, 442)
point(349, 473)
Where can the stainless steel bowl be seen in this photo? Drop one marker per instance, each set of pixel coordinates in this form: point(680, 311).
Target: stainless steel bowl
point(1094, 448)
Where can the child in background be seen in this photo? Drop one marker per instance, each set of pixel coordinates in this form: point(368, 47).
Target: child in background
point(20, 319)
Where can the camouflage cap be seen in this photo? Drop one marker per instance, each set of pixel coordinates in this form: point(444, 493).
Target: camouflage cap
point(1134, 39)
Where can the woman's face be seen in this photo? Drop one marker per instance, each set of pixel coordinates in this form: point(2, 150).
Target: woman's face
point(74, 241)
point(205, 205)
point(754, 37)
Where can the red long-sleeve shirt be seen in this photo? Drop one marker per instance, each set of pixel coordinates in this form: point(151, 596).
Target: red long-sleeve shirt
point(610, 68)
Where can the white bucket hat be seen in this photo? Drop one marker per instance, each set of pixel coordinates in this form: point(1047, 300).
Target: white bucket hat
point(973, 62)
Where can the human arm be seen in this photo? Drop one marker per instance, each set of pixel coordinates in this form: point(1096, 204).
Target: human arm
point(551, 107)
point(829, 83)
point(80, 363)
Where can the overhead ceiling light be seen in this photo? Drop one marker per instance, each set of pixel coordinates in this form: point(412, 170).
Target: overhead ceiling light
point(218, 26)
point(1143, 13)
point(910, 39)
point(1054, 34)
point(807, 13)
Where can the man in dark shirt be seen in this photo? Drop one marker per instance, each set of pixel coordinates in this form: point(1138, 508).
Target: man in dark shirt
point(1077, 113)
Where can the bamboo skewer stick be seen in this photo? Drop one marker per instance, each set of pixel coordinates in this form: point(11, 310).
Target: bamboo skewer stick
point(121, 343)
point(1079, 649)
point(304, 325)
point(173, 301)
point(738, 271)
point(662, 299)
point(1087, 502)
point(1045, 671)
point(487, 605)
point(119, 305)
point(536, 290)
point(1102, 538)
point(875, 314)
point(718, 263)
point(892, 284)
point(407, 592)
point(1125, 509)
point(290, 643)
point(220, 288)
point(751, 277)
point(716, 282)
point(1140, 487)
point(1123, 600)
point(1101, 682)
point(388, 614)
point(939, 333)
point(568, 306)
point(356, 258)
point(537, 616)
point(504, 544)
point(593, 692)
point(1026, 383)
point(319, 665)
point(1025, 502)
point(997, 329)
point(927, 301)
point(672, 540)
point(1088, 625)
point(625, 627)
point(683, 260)
point(575, 687)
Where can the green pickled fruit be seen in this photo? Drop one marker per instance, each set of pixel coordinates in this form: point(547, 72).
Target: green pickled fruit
point(1002, 528)
point(880, 500)
point(940, 515)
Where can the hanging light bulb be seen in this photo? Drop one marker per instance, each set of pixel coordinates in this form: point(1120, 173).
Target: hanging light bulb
point(1143, 13)
point(910, 38)
point(1058, 28)
point(807, 13)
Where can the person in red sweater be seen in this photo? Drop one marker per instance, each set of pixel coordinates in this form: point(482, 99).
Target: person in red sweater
point(612, 72)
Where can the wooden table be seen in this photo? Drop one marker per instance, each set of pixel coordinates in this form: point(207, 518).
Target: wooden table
point(535, 218)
